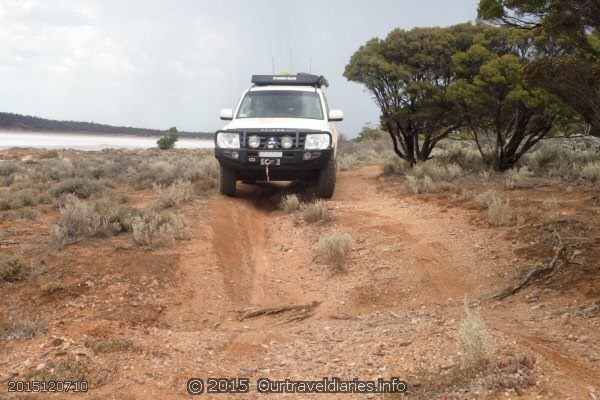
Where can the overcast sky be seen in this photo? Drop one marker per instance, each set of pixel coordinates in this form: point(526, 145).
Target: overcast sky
point(156, 64)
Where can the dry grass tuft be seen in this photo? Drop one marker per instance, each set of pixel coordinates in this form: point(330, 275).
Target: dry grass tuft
point(290, 203)
point(79, 219)
point(335, 249)
point(552, 206)
point(477, 349)
point(420, 185)
point(110, 345)
point(317, 212)
point(499, 211)
point(179, 192)
point(71, 368)
point(83, 188)
point(52, 287)
point(23, 326)
point(519, 178)
point(159, 229)
point(13, 268)
point(591, 171)
point(395, 166)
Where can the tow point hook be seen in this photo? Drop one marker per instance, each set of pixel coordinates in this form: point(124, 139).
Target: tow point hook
point(267, 163)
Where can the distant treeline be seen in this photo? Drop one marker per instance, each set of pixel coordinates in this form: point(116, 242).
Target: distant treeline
point(28, 123)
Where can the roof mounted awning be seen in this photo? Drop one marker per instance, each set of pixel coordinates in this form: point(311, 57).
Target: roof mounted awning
point(300, 79)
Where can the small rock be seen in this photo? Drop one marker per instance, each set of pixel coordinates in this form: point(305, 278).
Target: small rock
point(584, 339)
point(447, 366)
point(139, 379)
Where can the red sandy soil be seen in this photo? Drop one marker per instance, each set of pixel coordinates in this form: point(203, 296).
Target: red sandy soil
point(395, 310)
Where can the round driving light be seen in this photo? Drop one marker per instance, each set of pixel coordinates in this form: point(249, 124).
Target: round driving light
point(287, 142)
point(307, 155)
point(235, 154)
point(254, 141)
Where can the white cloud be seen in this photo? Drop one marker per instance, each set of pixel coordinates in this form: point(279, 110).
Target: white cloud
point(162, 63)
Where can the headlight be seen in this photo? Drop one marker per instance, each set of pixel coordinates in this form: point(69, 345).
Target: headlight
point(287, 142)
point(228, 140)
point(254, 141)
point(318, 141)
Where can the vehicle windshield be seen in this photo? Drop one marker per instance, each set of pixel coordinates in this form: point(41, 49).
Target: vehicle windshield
point(281, 104)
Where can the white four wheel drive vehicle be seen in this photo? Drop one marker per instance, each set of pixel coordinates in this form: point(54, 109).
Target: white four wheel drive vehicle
point(281, 130)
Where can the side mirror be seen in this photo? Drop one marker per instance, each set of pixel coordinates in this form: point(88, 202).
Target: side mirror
point(336, 115)
point(226, 113)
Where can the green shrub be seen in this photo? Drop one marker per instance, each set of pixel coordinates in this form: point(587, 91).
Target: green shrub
point(168, 141)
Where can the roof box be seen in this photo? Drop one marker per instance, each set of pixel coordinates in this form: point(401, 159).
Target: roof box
point(300, 79)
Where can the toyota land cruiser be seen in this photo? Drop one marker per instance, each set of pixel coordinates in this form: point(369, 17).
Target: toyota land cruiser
point(281, 130)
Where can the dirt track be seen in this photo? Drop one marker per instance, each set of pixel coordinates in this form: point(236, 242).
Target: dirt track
point(395, 310)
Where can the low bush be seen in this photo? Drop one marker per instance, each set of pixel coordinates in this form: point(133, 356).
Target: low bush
point(591, 171)
point(499, 211)
point(79, 219)
point(290, 203)
point(71, 369)
point(475, 341)
point(348, 161)
point(172, 196)
point(52, 287)
point(519, 178)
point(13, 268)
point(110, 345)
point(335, 249)
point(159, 229)
point(395, 166)
point(316, 212)
point(80, 187)
point(23, 326)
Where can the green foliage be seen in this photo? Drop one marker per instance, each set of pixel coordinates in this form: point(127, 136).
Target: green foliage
point(408, 74)
point(506, 115)
point(568, 56)
point(368, 133)
point(168, 141)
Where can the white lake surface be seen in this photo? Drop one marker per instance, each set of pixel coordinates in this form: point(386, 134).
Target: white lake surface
point(56, 140)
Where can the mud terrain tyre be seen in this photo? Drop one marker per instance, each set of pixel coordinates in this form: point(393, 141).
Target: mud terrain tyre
point(325, 184)
point(227, 181)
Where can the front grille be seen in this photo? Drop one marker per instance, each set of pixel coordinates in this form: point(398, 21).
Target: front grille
point(297, 137)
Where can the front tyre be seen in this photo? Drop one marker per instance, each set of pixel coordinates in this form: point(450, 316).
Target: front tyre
point(227, 181)
point(326, 180)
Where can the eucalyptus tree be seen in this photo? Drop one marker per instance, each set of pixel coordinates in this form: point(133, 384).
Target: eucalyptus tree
point(408, 73)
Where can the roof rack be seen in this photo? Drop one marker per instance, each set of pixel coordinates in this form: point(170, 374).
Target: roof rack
point(300, 79)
